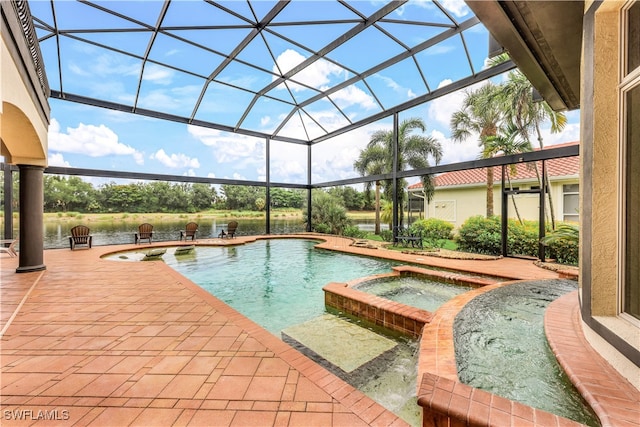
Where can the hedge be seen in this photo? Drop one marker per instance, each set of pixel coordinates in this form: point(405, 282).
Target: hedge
point(479, 234)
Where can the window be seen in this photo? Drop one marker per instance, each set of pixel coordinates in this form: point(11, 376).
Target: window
point(630, 97)
point(570, 202)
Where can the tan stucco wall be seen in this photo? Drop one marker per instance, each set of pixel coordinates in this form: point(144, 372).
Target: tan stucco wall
point(600, 127)
point(471, 201)
point(23, 129)
point(605, 167)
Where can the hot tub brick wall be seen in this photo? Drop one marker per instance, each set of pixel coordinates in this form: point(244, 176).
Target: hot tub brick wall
point(449, 403)
point(379, 311)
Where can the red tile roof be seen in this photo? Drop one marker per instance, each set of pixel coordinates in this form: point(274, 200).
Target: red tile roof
point(565, 166)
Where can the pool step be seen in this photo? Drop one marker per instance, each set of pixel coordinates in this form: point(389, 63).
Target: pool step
point(351, 352)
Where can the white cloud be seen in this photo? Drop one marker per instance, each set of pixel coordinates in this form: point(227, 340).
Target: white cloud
point(102, 64)
point(316, 75)
point(288, 163)
point(288, 169)
point(570, 133)
point(157, 74)
point(90, 140)
point(390, 82)
point(439, 49)
point(333, 159)
point(175, 161)
point(211, 175)
point(138, 157)
point(352, 95)
point(57, 159)
point(458, 7)
point(441, 109)
point(190, 172)
point(78, 70)
point(393, 85)
point(287, 60)
point(229, 147)
point(178, 98)
point(158, 97)
point(329, 120)
point(455, 152)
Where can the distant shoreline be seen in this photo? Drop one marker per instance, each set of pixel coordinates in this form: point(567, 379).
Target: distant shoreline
point(197, 216)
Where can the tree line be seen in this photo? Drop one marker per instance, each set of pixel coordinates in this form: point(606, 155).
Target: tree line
point(73, 194)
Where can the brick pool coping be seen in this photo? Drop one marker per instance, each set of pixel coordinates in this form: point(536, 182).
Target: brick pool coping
point(33, 303)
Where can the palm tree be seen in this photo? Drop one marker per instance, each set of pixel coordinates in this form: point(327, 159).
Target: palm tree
point(505, 143)
point(372, 162)
point(528, 115)
point(481, 114)
point(414, 151)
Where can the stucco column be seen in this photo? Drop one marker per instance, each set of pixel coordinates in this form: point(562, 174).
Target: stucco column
point(31, 219)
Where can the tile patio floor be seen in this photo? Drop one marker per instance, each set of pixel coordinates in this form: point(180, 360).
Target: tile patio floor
point(96, 342)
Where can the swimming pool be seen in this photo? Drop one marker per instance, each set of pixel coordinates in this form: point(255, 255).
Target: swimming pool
point(277, 283)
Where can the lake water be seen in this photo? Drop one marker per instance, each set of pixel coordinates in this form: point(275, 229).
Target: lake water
point(56, 234)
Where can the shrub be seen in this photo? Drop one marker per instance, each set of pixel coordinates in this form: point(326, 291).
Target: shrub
point(480, 235)
point(483, 235)
point(435, 232)
point(564, 243)
point(386, 235)
point(523, 238)
point(327, 211)
point(354, 231)
point(322, 228)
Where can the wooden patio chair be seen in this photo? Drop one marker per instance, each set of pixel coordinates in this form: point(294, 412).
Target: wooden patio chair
point(80, 236)
point(9, 249)
point(190, 231)
point(231, 230)
point(145, 232)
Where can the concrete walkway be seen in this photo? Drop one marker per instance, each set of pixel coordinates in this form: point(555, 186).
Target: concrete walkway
point(96, 342)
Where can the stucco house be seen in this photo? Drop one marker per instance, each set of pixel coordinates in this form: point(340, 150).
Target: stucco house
point(462, 194)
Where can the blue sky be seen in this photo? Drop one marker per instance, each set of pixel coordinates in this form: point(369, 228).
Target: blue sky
point(90, 137)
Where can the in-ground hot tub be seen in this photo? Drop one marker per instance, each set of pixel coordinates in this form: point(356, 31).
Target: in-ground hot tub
point(402, 301)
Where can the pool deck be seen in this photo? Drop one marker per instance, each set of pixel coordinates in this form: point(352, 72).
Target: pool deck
point(97, 342)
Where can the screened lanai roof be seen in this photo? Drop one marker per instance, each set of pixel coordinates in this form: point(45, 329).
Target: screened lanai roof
point(298, 71)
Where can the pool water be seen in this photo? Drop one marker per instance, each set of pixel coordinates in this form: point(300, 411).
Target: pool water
point(501, 347)
point(277, 283)
point(395, 387)
point(414, 291)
